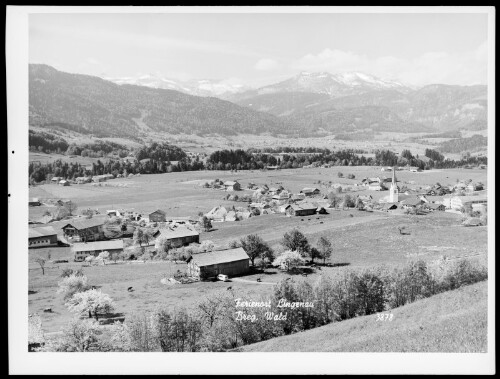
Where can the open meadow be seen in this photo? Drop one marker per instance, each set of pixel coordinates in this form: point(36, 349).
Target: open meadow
point(360, 239)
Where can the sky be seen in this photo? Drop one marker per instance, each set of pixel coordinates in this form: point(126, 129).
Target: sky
point(256, 49)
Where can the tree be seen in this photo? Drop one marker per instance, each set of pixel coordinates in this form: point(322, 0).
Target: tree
point(334, 199)
point(115, 256)
point(104, 255)
point(78, 336)
point(325, 248)
point(72, 284)
point(207, 246)
point(206, 224)
point(91, 301)
point(41, 261)
point(163, 245)
point(90, 259)
point(254, 246)
point(288, 260)
point(296, 241)
point(314, 253)
point(71, 207)
point(60, 213)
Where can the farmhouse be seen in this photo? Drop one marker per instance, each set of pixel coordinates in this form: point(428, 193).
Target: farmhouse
point(34, 202)
point(376, 186)
point(412, 203)
point(83, 249)
point(113, 213)
point(99, 178)
point(83, 179)
point(42, 237)
point(232, 186)
point(64, 182)
point(157, 216)
point(458, 202)
point(85, 229)
point(178, 235)
point(56, 179)
point(229, 262)
point(302, 209)
point(217, 214)
point(310, 191)
point(435, 207)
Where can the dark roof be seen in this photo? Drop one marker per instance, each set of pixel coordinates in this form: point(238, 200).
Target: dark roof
point(158, 211)
point(84, 223)
point(41, 232)
point(307, 189)
point(217, 257)
point(98, 245)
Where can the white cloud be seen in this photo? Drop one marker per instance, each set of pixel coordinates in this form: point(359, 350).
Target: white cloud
point(466, 68)
point(266, 64)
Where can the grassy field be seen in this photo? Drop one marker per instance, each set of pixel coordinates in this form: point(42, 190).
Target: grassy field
point(179, 194)
point(451, 322)
point(360, 239)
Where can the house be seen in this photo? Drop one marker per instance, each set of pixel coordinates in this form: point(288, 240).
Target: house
point(376, 187)
point(230, 262)
point(411, 203)
point(113, 213)
point(83, 179)
point(82, 250)
point(415, 169)
point(42, 237)
point(301, 209)
point(217, 214)
point(85, 229)
point(310, 191)
point(389, 206)
point(475, 187)
point(56, 179)
point(34, 202)
point(157, 216)
point(435, 207)
point(232, 186)
point(64, 182)
point(178, 235)
point(458, 202)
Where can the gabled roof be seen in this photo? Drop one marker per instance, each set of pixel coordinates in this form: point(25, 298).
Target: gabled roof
point(302, 206)
point(84, 223)
point(41, 232)
point(158, 211)
point(413, 202)
point(177, 232)
point(308, 189)
point(218, 257)
point(230, 183)
point(98, 245)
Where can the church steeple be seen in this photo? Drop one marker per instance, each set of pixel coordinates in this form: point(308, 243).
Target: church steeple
point(394, 193)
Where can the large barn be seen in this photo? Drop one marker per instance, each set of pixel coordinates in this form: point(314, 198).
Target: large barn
point(178, 235)
point(42, 237)
point(83, 249)
point(230, 262)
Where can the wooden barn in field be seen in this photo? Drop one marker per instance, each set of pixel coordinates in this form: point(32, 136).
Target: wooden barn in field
point(157, 216)
point(300, 209)
point(310, 191)
point(42, 237)
point(230, 262)
point(83, 249)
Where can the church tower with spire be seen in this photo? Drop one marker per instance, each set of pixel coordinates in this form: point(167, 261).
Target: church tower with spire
point(394, 192)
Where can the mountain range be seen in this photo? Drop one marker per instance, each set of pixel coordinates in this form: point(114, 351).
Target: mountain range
point(306, 104)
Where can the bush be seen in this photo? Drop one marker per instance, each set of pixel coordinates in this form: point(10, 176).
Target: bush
point(351, 176)
point(72, 284)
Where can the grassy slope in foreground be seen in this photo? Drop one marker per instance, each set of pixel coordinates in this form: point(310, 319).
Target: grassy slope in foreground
point(454, 321)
